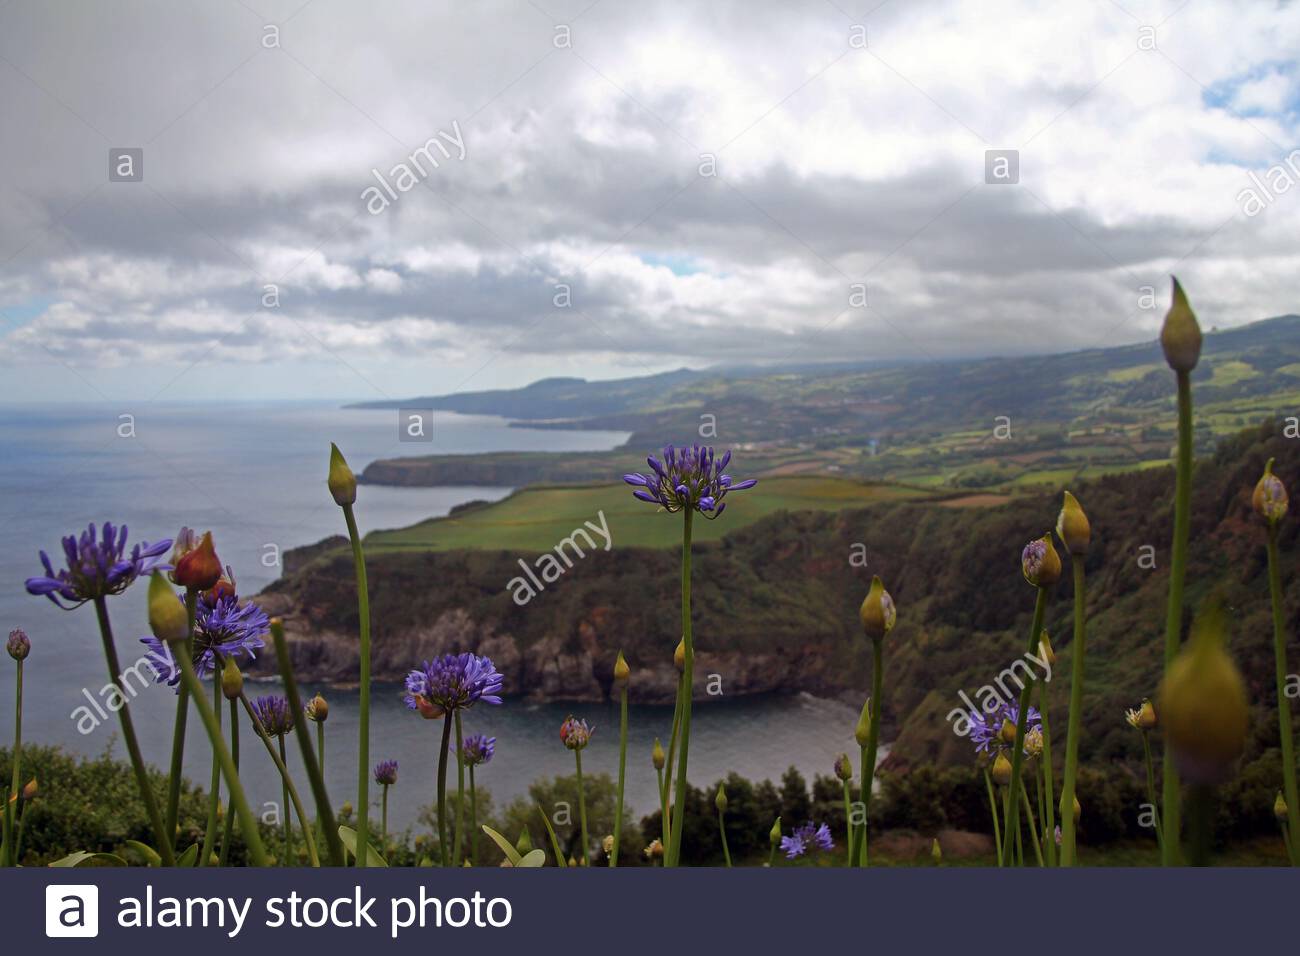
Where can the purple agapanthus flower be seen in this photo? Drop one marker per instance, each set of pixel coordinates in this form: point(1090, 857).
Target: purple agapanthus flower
point(98, 566)
point(453, 682)
point(223, 627)
point(810, 836)
point(274, 713)
point(687, 478)
point(386, 772)
point(985, 727)
point(478, 749)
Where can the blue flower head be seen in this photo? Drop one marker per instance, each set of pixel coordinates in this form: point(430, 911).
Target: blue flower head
point(223, 628)
point(98, 566)
point(453, 682)
point(386, 772)
point(478, 749)
point(985, 727)
point(687, 478)
point(810, 836)
point(274, 714)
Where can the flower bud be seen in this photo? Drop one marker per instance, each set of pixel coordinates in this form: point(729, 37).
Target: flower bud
point(679, 656)
point(774, 834)
point(167, 617)
point(1007, 732)
point(31, 790)
point(199, 568)
point(232, 681)
point(1045, 649)
point(224, 588)
point(862, 733)
point(1279, 807)
point(1078, 810)
point(936, 851)
point(19, 644)
point(1001, 769)
point(607, 844)
point(621, 671)
point(1203, 706)
point(427, 708)
point(877, 613)
point(843, 769)
point(1072, 526)
point(525, 842)
point(1147, 715)
point(720, 801)
point(1270, 499)
point(574, 733)
point(317, 709)
point(1040, 563)
point(657, 755)
point(1180, 337)
point(655, 851)
point(342, 483)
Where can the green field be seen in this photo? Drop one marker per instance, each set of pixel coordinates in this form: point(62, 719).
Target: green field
point(534, 519)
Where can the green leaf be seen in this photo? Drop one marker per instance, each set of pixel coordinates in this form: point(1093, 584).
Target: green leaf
point(349, 838)
point(555, 844)
point(511, 853)
point(86, 858)
point(189, 857)
point(145, 852)
point(533, 858)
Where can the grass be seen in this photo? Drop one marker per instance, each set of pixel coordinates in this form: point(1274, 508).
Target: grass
point(534, 519)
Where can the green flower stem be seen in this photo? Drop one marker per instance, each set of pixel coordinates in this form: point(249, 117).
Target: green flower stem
point(1170, 815)
point(291, 798)
point(1011, 826)
point(859, 833)
point(320, 745)
point(161, 835)
point(175, 774)
point(460, 791)
point(1049, 786)
point(1042, 811)
point(1286, 837)
point(10, 837)
point(722, 832)
point(1285, 727)
point(582, 806)
point(229, 831)
point(363, 746)
point(315, 773)
point(873, 742)
point(1200, 824)
point(848, 823)
point(22, 828)
point(1076, 713)
point(668, 779)
point(214, 780)
point(247, 823)
point(622, 772)
point(444, 849)
point(1151, 788)
point(663, 809)
point(284, 794)
point(993, 811)
point(688, 674)
point(473, 819)
point(383, 820)
point(1033, 824)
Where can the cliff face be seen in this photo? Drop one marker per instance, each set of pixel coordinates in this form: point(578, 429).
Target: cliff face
point(775, 604)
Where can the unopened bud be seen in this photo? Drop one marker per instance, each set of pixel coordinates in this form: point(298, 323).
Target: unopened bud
point(1270, 499)
point(862, 733)
point(878, 614)
point(1279, 807)
point(657, 755)
point(19, 644)
point(342, 483)
point(318, 709)
point(1001, 770)
point(1007, 732)
point(1180, 337)
point(936, 851)
point(1072, 526)
point(679, 656)
point(843, 768)
point(31, 790)
point(232, 681)
point(621, 671)
point(720, 801)
point(1040, 563)
point(1045, 649)
point(774, 834)
point(199, 569)
point(167, 617)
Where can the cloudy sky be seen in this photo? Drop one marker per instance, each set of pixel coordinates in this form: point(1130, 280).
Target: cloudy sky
point(644, 185)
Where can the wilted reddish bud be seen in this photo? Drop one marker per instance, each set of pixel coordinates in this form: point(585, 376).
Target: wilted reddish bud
point(199, 569)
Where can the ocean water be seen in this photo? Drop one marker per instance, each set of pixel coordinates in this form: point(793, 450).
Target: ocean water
point(255, 475)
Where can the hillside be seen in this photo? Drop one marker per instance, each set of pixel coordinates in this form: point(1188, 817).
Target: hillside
point(988, 423)
point(776, 601)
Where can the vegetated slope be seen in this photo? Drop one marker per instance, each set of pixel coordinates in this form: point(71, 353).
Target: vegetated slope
point(776, 602)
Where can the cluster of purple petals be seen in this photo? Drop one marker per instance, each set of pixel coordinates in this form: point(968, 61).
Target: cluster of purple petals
point(386, 772)
point(810, 836)
point(98, 565)
point(274, 713)
point(985, 728)
point(454, 682)
point(477, 749)
point(687, 478)
point(223, 628)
